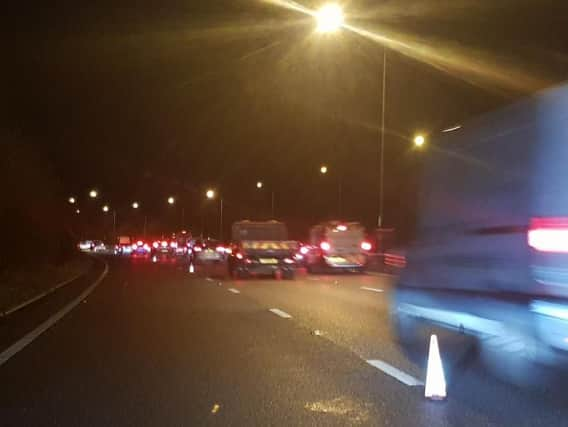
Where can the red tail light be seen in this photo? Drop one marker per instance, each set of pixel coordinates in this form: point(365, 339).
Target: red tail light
point(174, 244)
point(325, 246)
point(155, 245)
point(366, 246)
point(197, 248)
point(239, 256)
point(304, 250)
point(139, 242)
point(549, 234)
point(164, 244)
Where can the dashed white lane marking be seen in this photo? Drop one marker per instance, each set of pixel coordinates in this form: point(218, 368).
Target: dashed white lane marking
point(31, 336)
point(403, 377)
point(365, 288)
point(233, 290)
point(280, 313)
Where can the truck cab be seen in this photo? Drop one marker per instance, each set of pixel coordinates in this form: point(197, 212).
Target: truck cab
point(262, 248)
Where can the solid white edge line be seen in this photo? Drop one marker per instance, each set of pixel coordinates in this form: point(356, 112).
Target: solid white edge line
point(401, 376)
point(365, 288)
point(41, 295)
point(233, 290)
point(280, 313)
point(31, 336)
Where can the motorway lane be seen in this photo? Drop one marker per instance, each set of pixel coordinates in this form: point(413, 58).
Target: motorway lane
point(357, 320)
point(154, 345)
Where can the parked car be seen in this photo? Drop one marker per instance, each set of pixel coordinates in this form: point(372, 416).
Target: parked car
point(123, 245)
point(208, 251)
point(337, 245)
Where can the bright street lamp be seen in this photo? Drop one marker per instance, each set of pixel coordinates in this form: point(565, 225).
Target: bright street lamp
point(329, 18)
point(72, 200)
point(171, 200)
point(105, 208)
point(259, 184)
point(135, 205)
point(77, 211)
point(419, 140)
point(323, 169)
point(93, 194)
point(210, 194)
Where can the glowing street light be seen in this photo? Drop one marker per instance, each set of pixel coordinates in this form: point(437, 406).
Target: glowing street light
point(323, 170)
point(78, 211)
point(419, 140)
point(210, 194)
point(93, 194)
point(72, 200)
point(105, 208)
point(171, 200)
point(135, 205)
point(259, 184)
point(329, 18)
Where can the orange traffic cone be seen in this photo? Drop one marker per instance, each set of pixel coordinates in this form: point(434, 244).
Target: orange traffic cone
point(435, 380)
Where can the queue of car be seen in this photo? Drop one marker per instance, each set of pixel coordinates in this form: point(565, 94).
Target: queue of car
point(257, 248)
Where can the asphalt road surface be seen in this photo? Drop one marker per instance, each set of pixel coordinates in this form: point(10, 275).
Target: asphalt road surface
point(154, 345)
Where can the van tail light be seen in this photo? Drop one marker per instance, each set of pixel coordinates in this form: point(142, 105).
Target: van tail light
point(549, 234)
point(325, 246)
point(366, 246)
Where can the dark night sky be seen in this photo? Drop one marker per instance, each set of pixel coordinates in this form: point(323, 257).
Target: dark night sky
point(143, 99)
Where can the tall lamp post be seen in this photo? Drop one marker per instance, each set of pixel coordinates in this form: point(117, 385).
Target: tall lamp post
point(210, 194)
point(324, 169)
point(259, 186)
point(330, 19)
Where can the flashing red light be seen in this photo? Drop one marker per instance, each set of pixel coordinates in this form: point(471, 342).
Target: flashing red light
point(548, 234)
point(325, 246)
point(366, 246)
point(239, 256)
